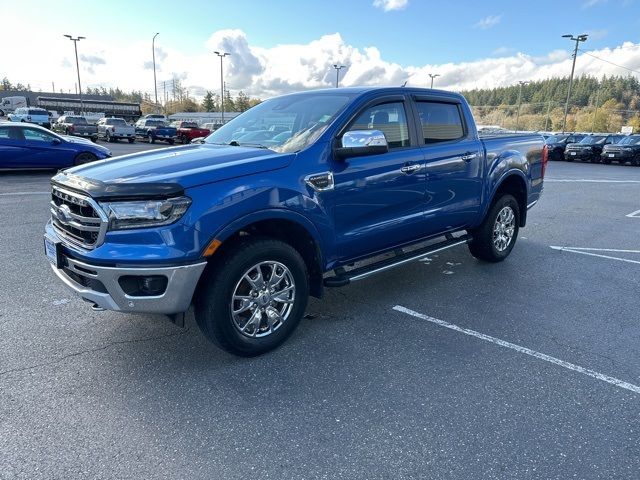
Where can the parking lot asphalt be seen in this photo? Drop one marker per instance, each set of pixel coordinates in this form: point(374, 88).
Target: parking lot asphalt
point(362, 389)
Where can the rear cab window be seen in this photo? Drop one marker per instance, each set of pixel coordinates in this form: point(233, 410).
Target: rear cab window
point(440, 121)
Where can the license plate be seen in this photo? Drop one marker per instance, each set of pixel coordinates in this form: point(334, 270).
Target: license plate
point(611, 155)
point(573, 153)
point(52, 251)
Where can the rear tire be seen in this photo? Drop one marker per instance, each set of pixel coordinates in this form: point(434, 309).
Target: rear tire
point(494, 239)
point(107, 137)
point(240, 287)
point(131, 140)
point(170, 142)
point(151, 139)
point(84, 157)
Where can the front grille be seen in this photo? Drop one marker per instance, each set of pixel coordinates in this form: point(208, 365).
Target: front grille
point(77, 218)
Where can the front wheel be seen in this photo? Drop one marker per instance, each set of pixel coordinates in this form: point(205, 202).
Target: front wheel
point(170, 142)
point(84, 157)
point(131, 140)
point(253, 298)
point(494, 239)
point(151, 138)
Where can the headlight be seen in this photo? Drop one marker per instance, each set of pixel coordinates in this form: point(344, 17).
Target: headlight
point(627, 149)
point(145, 213)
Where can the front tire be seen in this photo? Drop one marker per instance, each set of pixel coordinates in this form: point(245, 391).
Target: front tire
point(84, 157)
point(131, 140)
point(253, 298)
point(494, 239)
point(151, 139)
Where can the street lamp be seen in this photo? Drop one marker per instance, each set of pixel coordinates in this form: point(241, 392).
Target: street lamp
point(75, 46)
point(155, 84)
point(433, 75)
point(221, 55)
point(338, 68)
point(521, 83)
point(580, 38)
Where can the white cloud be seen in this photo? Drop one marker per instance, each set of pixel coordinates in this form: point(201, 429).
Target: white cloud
point(284, 68)
point(488, 22)
point(388, 5)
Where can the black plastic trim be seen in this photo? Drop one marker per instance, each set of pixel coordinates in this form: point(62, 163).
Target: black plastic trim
point(117, 191)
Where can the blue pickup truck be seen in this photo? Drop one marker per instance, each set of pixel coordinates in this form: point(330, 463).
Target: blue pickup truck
point(154, 129)
point(366, 179)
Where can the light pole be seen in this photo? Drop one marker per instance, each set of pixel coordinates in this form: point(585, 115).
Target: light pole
point(521, 83)
point(155, 84)
point(580, 38)
point(221, 55)
point(75, 46)
point(338, 68)
point(595, 114)
point(433, 75)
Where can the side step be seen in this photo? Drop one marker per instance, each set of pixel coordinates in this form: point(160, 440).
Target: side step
point(343, 277)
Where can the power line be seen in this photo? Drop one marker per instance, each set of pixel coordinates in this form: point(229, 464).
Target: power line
point(607, 61)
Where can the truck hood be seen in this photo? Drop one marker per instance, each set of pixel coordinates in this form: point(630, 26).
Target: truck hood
point(186, 166)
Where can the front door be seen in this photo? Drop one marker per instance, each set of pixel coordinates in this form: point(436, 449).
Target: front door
point(378, 200)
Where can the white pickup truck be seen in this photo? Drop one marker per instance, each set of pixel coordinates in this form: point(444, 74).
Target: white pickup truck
point(113, 129)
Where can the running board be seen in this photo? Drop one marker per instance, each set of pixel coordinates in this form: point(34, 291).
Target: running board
point(343, 277)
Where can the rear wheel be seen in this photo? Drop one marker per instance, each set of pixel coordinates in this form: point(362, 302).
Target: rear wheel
point(494, 239)
point(131, 140)
point(107, 137)
point(253, 298)
point(84, 157)
point(636, 161)
point(151, 139)
point(170, 142)
point(607, 161)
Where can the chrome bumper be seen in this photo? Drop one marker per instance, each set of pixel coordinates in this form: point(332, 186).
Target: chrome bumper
point(181, 284)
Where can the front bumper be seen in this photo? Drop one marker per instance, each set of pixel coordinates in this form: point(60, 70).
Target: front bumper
point(617, 156)
point(578, 155)
point(101, 286)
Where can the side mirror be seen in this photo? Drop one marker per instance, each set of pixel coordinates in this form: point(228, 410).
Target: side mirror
point(361, 142)
point(56, 141)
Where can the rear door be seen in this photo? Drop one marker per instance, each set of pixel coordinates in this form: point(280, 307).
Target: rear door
point(378, 200)
point(453, 163)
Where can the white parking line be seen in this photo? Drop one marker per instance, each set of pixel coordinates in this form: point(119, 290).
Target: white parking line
point(635, 214)
point(588, 180)
point(589, 249)
point(582, 252)
point(527, 351)
point(24, 193)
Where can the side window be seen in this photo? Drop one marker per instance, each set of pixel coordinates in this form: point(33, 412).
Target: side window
point(441, 122)
point(4, 134)
point(390, 119)
point(37, 135)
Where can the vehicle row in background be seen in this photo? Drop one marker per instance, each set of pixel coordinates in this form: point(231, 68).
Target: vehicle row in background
point(114, 129)
point(77, 126)
point(188, 131)
point(36, 116)
point(594, 148)
point(589, 148)
point(155, 129)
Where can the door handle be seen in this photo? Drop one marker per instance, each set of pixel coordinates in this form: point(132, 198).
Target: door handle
point(409, 169)
point(467, 157)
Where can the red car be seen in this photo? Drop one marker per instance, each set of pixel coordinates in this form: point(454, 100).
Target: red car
point(187, 131)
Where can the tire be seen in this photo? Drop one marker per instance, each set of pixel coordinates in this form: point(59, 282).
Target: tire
point(595, 158)
point(228, 278)
point(635, 162)
point(84, 157)
point(170, 142)
point(484, 246)
point(107, 137)
point(606, 161)
point(2, 113)
point(151, 139)
point(131, 140)
point(94, 139)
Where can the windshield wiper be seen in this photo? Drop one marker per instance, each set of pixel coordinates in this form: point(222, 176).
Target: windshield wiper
point(253, 145)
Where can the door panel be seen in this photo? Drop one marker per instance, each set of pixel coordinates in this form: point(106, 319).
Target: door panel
point(43, 153)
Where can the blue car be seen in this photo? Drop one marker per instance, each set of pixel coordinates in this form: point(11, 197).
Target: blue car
point(24, 146)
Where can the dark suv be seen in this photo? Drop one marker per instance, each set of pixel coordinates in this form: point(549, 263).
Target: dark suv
point(626, 150)
point(589, 148)
point(557, 143)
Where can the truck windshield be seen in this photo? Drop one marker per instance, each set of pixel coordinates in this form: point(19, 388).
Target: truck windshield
point(189, 125)
point(303, 116)
point(155, 123)
point(77, 120)
point(591, 140)
point(116, 121)
point(635, 140)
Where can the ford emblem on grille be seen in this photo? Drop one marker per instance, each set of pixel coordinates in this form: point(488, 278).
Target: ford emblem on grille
point(63, 214)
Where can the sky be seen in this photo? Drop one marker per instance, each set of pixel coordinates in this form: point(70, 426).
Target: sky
point(281, 46)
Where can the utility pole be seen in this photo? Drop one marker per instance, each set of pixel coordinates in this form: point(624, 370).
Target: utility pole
point(53, 87)
point(338, 68)
point(433, 75)
point(155, 84)
point(221, 55)
point(75, 46)
point(546, 120)
point(521, 83)
point(595, 114)
point(580, 38)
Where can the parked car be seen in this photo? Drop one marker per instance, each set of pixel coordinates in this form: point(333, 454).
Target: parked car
point(9, 104)
point(626, 150)
point(558, 143)
point(24, 146)
point(156, 116)
point(38, 116)
point(153, 129)
point(211, 126)
point(76, 126)
point(589, 148)
point(187, 131)
point(248, 233)
point(113, 129)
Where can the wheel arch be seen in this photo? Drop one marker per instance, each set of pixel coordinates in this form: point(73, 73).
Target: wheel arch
point(286, 226)
point(513, 183)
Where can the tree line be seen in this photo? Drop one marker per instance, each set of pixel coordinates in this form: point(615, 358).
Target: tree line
point(596, 104)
